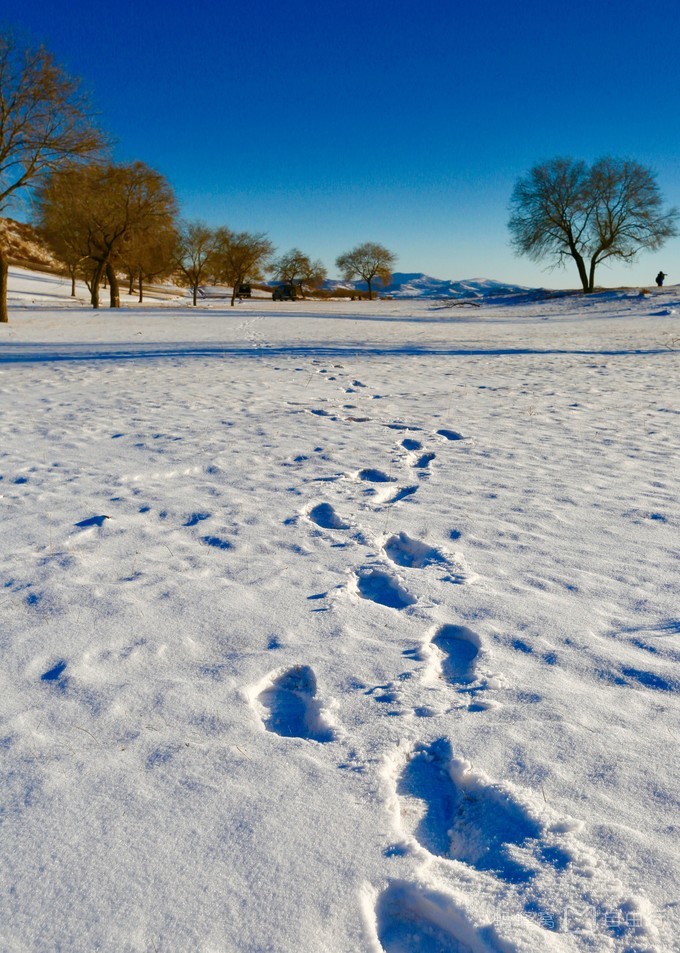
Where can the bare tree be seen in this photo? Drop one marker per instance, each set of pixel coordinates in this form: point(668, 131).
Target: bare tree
point(367, 261)
point(106, 205)
point(562, 209)
point(194, 254)
point(240, 257)
point(45, 122)
point(297, 269)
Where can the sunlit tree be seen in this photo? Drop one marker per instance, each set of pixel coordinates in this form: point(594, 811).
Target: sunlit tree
point(45, 123)
point(368, 261)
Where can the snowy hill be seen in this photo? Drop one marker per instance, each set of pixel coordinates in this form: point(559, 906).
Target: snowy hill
point(419, 285)
point(25, 245)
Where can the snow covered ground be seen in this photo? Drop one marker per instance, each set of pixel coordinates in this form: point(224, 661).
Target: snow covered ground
point(339, 627)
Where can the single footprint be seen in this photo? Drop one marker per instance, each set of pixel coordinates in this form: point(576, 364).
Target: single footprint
point(405, 551)
point(459, 647)
point(424, 461)
point(450, 435)
point(426, 779)
point(412, 445)
point(463, 815)
point(402, 494)
point(370, 475)
point(376, 585)
point(292, 709)
point(411, 918)
point(325, 516)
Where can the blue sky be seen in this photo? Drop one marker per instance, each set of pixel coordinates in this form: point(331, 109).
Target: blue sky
point(327, 124)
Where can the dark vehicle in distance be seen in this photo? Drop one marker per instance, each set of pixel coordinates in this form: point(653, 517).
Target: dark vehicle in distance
point(284, 293)
point(244, 290)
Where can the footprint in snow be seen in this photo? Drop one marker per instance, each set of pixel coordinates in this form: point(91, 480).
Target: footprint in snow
point(379, 586)
point(456, 812)
point(325, 516)
point(414, 918)
point(423, 462)
point(403, 493)
point(450, 435)
point(196, 518)
point(370, 475)
point(459, 649)
point(411, 445)
point(454, 654)
point(216, 542)
point(291, 707)
point(410, 553)
point(405, 551)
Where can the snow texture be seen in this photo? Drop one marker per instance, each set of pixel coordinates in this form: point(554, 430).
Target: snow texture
point(342, 626)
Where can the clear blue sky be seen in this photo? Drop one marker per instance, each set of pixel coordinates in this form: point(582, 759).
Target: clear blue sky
point(327, 124)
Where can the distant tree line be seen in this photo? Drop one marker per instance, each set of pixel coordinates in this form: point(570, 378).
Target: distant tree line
point(105, 219)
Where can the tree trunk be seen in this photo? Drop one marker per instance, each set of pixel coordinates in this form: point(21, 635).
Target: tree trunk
point(370, 293)
point(73, 282)
point(113, 284)
point(141, 287)
point(581, 265)
point(131, 285)
point(233, 293)
point(591, 277)
point(195, 287)
point(4, 270)
point(96, 280)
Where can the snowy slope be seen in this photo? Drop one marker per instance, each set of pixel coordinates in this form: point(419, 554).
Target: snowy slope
point(335, 627)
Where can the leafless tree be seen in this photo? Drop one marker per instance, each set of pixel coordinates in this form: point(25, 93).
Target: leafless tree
point(45, 122)
point(296, 268)
point(240, 257)
point(106, 205)
point(563, 209)
point(367, 261)
point(195, 254)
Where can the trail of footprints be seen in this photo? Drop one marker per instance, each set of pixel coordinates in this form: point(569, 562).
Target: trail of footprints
point(441, 804)
point(443, 809)
point(288, 704)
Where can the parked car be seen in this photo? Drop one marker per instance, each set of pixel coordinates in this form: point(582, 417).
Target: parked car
point(244, 290)
point(284, 293)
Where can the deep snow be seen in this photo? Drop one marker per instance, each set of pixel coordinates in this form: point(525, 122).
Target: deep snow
point(339, 627)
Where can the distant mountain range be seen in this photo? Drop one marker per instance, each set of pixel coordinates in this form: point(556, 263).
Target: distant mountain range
point(26, 247)
point(415, 285)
